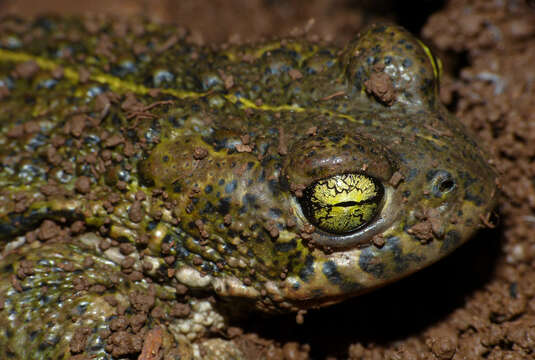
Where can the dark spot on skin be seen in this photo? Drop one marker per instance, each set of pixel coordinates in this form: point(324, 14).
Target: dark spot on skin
point(33, 335)
point(144, 180)
point(151, 225)
point(331, 272)
point(473, 198)
point(262, 176)
point(334, 277)
point(336, 138)
point(308, 270)
point(208, 189)
point(379, 29)
point(413, 172)
point(249, 200)
point(165, 158)
point(224, 206)
point(208, 208)
point(177, 187)
point(401, 260)
point(8, 268)
point(286, 247)
point(81, 308)
point(452, 239)
point(181, 252)
point(274, 187)
point(275, 213)
point(370, 262)
point(221, 182)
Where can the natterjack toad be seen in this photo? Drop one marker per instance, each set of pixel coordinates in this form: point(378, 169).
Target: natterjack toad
point(141, 173)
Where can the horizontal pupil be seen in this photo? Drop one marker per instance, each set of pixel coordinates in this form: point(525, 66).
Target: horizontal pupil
point(347, 203)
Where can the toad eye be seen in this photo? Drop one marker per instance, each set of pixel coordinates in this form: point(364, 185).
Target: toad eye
point(342, 203)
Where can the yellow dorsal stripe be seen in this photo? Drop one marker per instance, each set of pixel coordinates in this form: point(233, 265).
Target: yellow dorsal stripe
point(72, 74)
point(119, 85)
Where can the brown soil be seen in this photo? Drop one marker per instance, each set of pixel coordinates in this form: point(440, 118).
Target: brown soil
point(477, 303)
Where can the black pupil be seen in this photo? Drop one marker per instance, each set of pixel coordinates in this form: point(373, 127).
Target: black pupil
point(346, 203)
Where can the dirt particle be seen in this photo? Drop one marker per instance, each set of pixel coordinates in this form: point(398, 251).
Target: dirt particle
point(181, 289)
point(378, 240)
point(25, 70)
point(126, 248)
point(272, 229)
point(295, 74)
point(136, 212)
point(122, 343)
point(442, 343)
point(15, 132)
point(151, 345)
point(381, 87)
point(395, 179)
point(88, 262)
point(75, 125)
point(137, 321)
point(180, 310)
point(119, 323)
point(83, 184)
point(79, 339)
point(293, 351)
point(333, 95)
point(48, 230)
point(57, 73)
point(104, 244)
point(300, 317)
point(142, 301)
point(297, 189)
point(200, 153)
point(114, 140)
point(98, 288)
point(15, 282)
point(312, 131)
point(77, 227)
point(244, 148)
point(127, 262)
point(83, 75)
point(233, 332)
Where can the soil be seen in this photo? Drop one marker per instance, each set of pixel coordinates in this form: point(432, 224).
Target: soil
point(478, 303)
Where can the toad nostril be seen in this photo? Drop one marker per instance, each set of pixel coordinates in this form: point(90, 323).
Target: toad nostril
point(446, 185)
point(441, 182)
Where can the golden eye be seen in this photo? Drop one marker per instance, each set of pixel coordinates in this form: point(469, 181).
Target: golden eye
point(342, 203)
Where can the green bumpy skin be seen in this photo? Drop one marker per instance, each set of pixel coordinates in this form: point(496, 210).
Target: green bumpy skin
point(208, 175)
